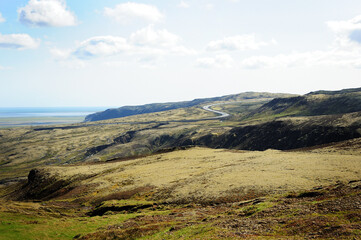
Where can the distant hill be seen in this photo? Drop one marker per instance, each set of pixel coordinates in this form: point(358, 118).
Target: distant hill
point(348, 90)
point(280, 105)
point(159, 107)
point(312, 104)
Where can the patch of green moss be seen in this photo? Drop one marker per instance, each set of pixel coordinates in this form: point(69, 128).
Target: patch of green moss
point(252, 209)
point(22, 226)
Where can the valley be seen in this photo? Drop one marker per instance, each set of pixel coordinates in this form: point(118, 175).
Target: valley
point(243, 166)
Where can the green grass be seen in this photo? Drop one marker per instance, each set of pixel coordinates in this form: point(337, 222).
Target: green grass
point(21, 226)
point(269, 116)
point(252, 209)
point(127, 202)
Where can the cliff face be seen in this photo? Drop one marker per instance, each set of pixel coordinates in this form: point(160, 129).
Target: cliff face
point(281, 135)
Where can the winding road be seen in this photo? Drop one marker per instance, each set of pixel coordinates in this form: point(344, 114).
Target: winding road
point(222, 114)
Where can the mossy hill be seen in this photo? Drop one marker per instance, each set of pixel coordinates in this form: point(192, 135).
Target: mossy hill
point(312, 104)
point(160, 107)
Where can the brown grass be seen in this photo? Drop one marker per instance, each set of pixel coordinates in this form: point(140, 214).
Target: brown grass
point(208, 175)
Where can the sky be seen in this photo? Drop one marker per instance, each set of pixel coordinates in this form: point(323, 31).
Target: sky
point(59, 53)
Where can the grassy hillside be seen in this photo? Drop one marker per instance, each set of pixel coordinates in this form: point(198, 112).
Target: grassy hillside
point(172, 174)
point(22, 149)
point(196, 193)
point(159, 107)
point(312, 104)
point(343, 91)
point(287, 133)
point(325, 212)
point(193, 175)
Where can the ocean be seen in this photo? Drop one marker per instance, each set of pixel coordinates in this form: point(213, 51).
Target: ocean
point(25, 116)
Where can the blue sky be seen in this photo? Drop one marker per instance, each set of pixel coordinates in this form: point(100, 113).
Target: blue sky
point(115, 53)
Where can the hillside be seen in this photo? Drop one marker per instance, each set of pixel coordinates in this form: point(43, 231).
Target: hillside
point(312, 104)
point(175, 176)
point(287, 133)
point(287, 168)
point(160, 107)
point(22, 149)
point(196, 193)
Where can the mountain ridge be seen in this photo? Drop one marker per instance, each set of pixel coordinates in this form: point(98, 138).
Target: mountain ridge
point(312, 104)
point(125, 111)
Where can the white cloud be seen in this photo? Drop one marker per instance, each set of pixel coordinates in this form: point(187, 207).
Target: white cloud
point(348, 33)
point(150, 37)
point(281, 60)
point(150, 41)
point(183, 4)
point(46, 13)
point(145, 43)
point(18, 41)
point(346, 51)
point(220, 61)
point(336, 58)
point(146, 46)
point(65, 58)
point(60, 54)
point(127, 12)
point(239, 42)
point(2, 19)
point(345, 26)
point(101, 46)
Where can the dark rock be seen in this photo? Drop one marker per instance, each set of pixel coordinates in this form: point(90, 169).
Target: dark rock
point(309, 194)
point(77, 236)
point(101, 210)
point(41, 186)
